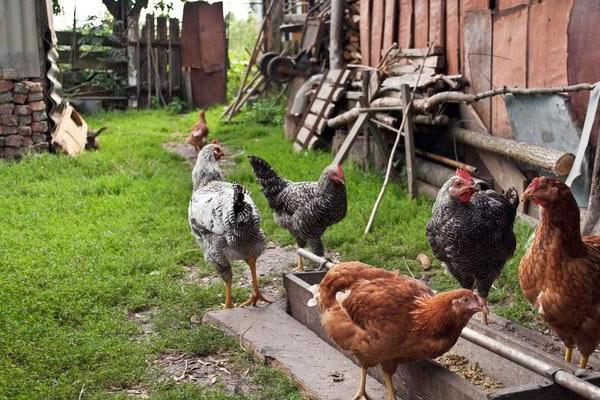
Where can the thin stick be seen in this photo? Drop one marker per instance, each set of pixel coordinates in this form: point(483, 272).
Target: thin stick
point(390, 164)
point(81, 392)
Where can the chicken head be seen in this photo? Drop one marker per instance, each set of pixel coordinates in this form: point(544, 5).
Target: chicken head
point(462, 186)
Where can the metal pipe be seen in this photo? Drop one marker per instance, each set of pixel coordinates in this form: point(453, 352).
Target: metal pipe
point(315, 258)
point(551, 372)
point(556, 374)
point(335, 34)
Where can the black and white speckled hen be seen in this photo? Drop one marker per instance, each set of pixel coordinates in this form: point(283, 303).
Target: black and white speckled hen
point(471, 231)
point(305, 209)
point(224, 221)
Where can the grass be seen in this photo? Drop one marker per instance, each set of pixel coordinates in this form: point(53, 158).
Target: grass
point(87, 241)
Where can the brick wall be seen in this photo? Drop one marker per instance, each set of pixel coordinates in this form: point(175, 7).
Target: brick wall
point(23, 117)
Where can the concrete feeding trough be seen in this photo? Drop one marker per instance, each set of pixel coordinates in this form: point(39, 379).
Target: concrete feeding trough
point(429, 380)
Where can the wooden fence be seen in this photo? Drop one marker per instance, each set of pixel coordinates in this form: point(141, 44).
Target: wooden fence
point(149, 65)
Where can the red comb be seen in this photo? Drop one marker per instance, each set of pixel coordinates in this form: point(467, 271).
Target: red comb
point(464, 174)
point(215, 141)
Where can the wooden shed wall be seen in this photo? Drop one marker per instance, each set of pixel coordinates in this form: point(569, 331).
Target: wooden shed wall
point(529, 43)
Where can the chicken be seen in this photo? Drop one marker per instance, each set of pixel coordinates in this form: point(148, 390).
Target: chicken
point(560, 272)
point(471, 231)
point(382, 317)
point(305, 209)
point(224, 221)
point(199, 133)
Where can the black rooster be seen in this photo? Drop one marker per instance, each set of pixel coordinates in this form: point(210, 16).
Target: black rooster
point(471, 231)
point(305, 209)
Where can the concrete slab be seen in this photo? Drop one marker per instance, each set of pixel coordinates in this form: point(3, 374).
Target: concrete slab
point(284, 343)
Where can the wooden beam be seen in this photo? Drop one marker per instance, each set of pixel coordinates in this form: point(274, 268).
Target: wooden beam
point(409, 142)
point(345, 148)
point(336, 56)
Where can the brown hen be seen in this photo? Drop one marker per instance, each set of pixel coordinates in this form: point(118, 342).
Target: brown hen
point(560, 273)
point(386, 318)
point(198, 136)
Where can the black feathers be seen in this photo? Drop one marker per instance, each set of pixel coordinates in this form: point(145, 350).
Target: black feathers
point(271, 183)
point(238, 199)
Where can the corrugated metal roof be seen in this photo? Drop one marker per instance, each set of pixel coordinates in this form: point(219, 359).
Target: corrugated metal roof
point(20, 37)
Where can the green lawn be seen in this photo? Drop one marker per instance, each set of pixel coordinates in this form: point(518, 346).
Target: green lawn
point(86, 241)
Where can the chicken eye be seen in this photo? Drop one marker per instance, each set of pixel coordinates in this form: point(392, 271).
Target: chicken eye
point(543, 186)
point(465, 299)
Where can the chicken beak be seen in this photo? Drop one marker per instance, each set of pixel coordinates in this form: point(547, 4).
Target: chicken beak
point(527, 194)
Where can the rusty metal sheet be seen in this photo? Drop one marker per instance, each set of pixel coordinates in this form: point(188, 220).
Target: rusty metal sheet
point(437, 22)
point(509, 62)
point(389, 29)
point(365, 31)
point(20, 38)
point(207, 89)
point(405, 24)
point(583, 54)
point(377, 21)
point(547, 54)
point(452, 37)
point(478, 59)
point(421, 23)
point(203, 50)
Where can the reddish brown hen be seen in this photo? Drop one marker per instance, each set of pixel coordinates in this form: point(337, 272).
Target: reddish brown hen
point(560, 273)
point(198, 136)
point(386, 318)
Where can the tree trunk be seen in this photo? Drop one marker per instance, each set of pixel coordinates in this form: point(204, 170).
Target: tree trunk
point(557, 162)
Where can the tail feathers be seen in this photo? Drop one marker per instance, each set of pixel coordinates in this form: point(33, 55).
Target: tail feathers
point(271, 183)
point(238, 198)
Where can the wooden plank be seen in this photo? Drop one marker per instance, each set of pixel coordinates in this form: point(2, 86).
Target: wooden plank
point(389, 28)
point(365, 31)
point(174, 61)
point(509, 64)
point(377, 21)
point(452, 37)
point(421, 23)
point(349, 141)
point(437, 22)
point(478, 60)
point(303, 134)
point(584, 53)
point(548, 40)
point(272, 334)
point(405, 24)
point(149, 38)
point(313, 122)
point(506, 4)
point(325, 94)
point(421, 52)
point(409, 143)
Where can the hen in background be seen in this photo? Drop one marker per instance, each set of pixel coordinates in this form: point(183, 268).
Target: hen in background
point(224, 221)
point(382, 317)
point(305, 209)
point(560, 272)
point(198, 136)
point(471, 231)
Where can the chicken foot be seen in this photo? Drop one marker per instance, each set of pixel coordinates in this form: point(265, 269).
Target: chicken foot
point(362, 393)
point(583, 361)
point(228, 303)
point(256, 295)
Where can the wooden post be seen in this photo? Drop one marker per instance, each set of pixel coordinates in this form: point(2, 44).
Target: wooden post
point(335, 34)
point(161, 52)
point(133, 62)
point(149, 37)
point(409, 142)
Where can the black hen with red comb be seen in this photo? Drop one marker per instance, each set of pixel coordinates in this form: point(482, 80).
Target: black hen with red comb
point(305, 209)
point(471, 231)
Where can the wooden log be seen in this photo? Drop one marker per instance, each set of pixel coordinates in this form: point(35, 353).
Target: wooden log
point(557, 162)
point(335, 34)
point(432, 173)
point(427, 190)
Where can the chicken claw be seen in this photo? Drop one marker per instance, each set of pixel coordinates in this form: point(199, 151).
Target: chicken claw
point(254, 299)
point(300, 267)
point(362, 393)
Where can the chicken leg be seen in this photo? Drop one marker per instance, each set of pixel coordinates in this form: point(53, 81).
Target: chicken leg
point(362, 393)
point(228, 302)
point(583, 360)
point(300, 266)
point(256, 295)
point(568, 353)
point(390, 393)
